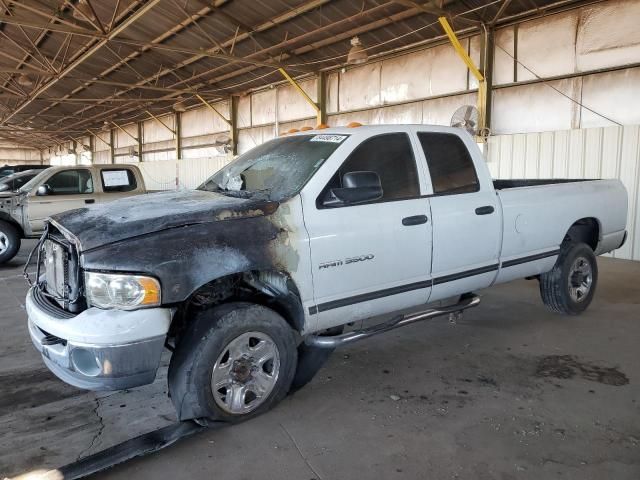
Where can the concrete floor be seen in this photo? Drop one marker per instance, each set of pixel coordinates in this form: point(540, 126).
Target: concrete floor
point(509, 392)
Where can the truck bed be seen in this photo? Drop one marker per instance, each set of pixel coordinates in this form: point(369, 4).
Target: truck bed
point(522, 182)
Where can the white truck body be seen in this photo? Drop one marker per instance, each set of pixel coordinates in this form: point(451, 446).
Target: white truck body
point(435, 227)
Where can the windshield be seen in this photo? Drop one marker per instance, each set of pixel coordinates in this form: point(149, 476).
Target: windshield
point(29, 185)
point(277, 169)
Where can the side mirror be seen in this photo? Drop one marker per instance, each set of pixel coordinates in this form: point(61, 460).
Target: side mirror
point(43, 190)
point(358, 187)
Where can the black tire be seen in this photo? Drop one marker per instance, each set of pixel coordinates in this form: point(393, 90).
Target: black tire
point(555, 284)
point(12, 236)
point(206, 342)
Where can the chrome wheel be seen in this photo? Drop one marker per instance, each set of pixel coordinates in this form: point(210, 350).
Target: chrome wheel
point(245, 373)
point(4, 243)
point(580, 279)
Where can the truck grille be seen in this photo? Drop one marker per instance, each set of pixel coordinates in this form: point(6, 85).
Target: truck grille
point(61, 273)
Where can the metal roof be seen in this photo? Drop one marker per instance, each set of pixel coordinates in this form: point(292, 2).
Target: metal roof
point(70, 65)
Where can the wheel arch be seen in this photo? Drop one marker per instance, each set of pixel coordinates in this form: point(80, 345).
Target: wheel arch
point(586, 230)
point(270, 288)
point(5, 217)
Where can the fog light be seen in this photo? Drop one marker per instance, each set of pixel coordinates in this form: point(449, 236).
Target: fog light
point(85, 362)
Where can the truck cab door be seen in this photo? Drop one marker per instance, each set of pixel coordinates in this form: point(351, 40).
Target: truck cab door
point(63, 190)
point(467, 217)
point(372, 257)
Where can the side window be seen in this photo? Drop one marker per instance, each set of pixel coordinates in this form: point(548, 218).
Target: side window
point(71, 182)
point(122, 180)
point(449, 162)
point(390, 156)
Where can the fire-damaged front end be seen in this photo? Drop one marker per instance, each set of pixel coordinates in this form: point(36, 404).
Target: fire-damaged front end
point(115, 285)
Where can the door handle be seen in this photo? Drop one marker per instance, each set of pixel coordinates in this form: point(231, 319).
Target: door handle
point(486, 210)
point(415, 220)
point(90, 200)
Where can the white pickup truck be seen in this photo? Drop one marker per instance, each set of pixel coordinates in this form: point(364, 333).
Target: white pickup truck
point(55, 190)
point(251, 279)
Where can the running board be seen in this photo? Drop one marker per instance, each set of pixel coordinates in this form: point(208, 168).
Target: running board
point(398, 321)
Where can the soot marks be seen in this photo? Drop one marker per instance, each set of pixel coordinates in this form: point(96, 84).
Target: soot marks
point(567, 366)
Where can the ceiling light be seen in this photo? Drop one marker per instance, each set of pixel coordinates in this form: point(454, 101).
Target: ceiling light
point(25, 80)
point(357, 53)
point(83, 11)
point(179, 106)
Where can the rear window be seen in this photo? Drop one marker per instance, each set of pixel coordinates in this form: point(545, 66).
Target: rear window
point(118, 180)
point(450, 164)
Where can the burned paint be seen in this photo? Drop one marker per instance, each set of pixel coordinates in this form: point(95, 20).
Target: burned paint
point(185, 239)
point(123, 219)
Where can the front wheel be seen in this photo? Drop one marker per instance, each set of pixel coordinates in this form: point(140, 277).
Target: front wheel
point(9, 242)
point(236, 361)
point(569, 287)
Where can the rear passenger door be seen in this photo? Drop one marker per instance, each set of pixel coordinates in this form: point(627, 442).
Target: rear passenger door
point(375, 257)
point(466, 215)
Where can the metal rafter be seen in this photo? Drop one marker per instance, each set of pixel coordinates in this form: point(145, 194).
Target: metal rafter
point(92, 49)
point(334, 39)
point(199, 53)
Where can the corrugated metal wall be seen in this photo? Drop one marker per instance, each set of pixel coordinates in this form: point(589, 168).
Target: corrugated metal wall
point(606, 152)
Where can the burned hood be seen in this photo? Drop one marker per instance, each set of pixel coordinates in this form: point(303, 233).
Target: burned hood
point(104, 224)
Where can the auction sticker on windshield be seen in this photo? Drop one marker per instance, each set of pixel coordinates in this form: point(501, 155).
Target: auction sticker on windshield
point(329, 138)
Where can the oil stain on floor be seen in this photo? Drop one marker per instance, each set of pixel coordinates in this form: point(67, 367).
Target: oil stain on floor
point(568, 366)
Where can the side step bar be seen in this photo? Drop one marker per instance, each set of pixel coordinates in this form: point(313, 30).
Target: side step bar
point(398, 321)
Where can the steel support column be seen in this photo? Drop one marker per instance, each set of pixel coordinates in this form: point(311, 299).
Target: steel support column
point(112, 143)
point(178, 134)
point(233, 133)
point(322, 98)
point(140, 140)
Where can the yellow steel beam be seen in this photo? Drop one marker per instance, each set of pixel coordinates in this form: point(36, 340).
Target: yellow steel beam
point(459, 49)
point(482, 84)
point(227, 121)
point(297, 86)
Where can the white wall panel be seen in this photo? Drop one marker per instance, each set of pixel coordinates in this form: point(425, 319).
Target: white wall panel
point(291, 103)
point(438, 111)
point(536, 107)
point(473, 48)
point(125, 139)
point(608, 152)
point(448, 72)
point(154, 131)
point(548, 46)
point(263, 107)
point(332, 92)
point(360, 87)
point(503, 63)
point(204, 121)
point(406, 77)
point(608, 35)
point(407, 113)
point(613, 94)
point(244, 111)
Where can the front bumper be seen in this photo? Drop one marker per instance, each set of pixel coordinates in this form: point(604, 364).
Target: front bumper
point(99, 349)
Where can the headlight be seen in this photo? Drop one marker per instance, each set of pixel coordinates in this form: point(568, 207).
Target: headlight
point(124, 292)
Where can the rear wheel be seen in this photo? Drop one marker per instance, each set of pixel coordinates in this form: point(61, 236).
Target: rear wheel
point(236, 361)
point(9, 241)
point(569, 287)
